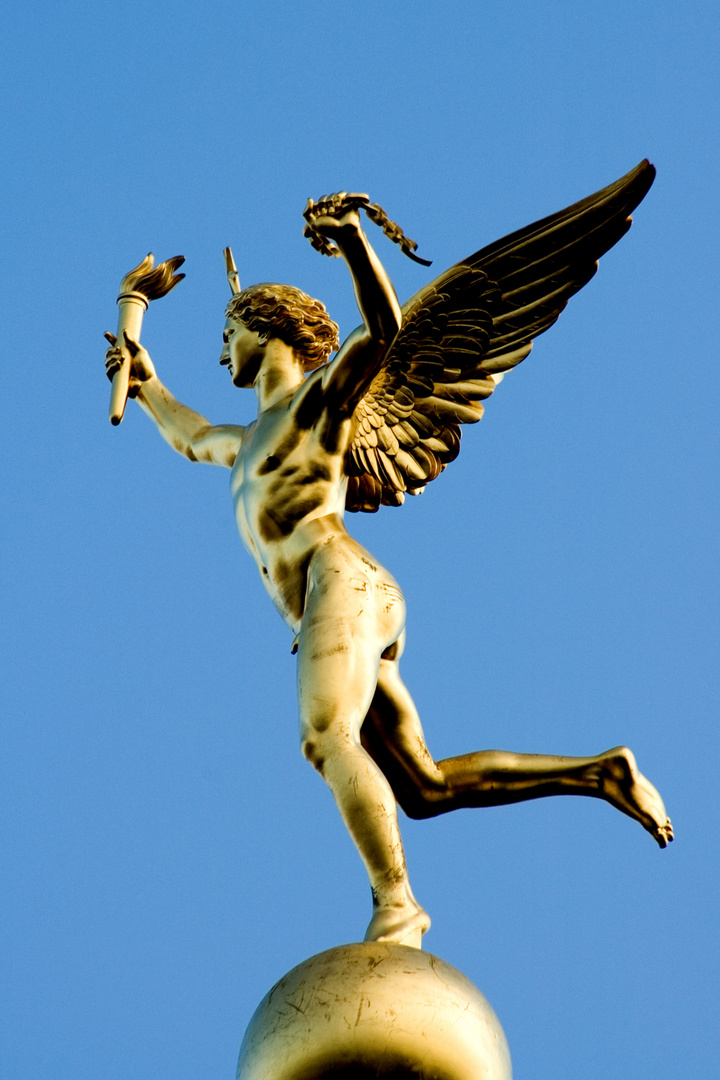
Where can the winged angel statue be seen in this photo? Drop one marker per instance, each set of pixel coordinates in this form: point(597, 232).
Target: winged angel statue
point(377, 422)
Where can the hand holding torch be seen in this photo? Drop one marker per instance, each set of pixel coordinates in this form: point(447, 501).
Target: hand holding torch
point(137, 289)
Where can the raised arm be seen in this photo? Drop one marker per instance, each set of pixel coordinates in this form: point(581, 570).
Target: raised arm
point(189, 433)
point(361, 356)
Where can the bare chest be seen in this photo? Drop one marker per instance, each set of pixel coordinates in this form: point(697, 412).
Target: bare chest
point(283, 475)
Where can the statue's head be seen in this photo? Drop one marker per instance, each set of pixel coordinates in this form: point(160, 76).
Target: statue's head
point(284, 312)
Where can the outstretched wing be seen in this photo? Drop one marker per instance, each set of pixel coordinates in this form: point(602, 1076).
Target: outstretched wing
point(463, 331)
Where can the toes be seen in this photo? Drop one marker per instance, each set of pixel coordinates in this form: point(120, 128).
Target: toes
point(664, 834)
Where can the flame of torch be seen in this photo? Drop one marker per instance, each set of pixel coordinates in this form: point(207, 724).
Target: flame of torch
point(137, 289)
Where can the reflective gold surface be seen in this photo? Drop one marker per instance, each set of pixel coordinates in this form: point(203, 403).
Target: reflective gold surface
point(137, 289)
point(379, 421)
point(370, 1011)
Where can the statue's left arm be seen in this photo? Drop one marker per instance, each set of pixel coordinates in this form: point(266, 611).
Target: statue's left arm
point(361, 356)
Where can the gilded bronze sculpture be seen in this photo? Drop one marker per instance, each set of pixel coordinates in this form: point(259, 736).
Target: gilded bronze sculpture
point(377, 422)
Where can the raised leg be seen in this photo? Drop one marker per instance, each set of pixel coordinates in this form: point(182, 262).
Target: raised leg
point(425, 788)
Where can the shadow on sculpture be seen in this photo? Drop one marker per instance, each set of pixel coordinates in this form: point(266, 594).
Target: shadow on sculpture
point(379, 421)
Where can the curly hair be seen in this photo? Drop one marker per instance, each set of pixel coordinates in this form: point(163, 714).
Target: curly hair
point(285, 312)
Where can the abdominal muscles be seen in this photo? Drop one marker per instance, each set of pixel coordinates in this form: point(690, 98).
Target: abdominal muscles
point(282, 513)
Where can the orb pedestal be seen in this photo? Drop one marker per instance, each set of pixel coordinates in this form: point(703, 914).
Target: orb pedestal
point(374, 1010)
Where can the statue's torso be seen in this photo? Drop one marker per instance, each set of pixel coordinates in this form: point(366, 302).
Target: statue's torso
point(289, 492)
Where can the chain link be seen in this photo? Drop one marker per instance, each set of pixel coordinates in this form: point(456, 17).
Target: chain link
point(339, 204)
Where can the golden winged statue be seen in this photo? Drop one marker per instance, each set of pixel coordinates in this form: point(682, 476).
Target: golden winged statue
point(378, 421)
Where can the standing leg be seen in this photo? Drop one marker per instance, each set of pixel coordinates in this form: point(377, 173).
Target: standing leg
point(425, 788)
point(344, 631)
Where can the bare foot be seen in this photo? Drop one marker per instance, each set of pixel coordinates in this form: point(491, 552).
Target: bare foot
point(402, 925)
point(622, 784)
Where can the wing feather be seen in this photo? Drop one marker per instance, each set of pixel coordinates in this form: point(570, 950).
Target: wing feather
point(465, 329)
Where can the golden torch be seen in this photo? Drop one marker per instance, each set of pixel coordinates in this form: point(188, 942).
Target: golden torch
point(137, 289)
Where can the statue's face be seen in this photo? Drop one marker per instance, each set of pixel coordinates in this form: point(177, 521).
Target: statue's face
point(242, 352)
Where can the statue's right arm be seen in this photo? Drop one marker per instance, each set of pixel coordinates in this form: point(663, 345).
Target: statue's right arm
point(188, 432)
point(185, 430)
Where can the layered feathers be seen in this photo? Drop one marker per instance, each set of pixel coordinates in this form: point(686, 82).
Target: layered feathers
point(464, 330)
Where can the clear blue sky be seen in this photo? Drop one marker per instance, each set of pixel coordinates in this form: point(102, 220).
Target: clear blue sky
point(167, 853)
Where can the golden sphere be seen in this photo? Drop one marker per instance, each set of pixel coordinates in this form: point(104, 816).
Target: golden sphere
point(374, 1010)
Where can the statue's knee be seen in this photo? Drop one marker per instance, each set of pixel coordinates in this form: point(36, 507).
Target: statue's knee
point(416, 805)
point(312, 752)
point(317, 736)
point(421, 801)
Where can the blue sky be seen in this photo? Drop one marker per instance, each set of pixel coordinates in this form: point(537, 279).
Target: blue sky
point(167, 853)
